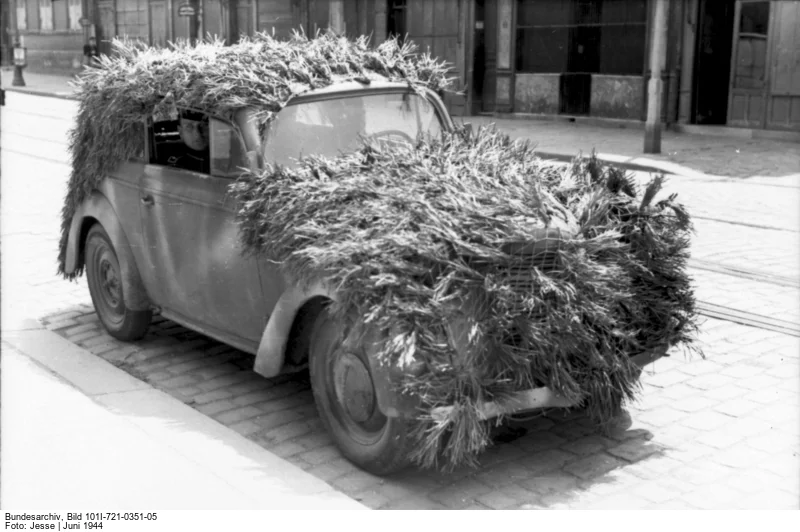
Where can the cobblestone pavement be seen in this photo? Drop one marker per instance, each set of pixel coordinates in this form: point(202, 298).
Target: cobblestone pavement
point(715, 433)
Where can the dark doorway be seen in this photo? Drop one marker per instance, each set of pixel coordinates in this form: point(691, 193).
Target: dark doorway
point(479, 59)
point(583, 58)
point(396, 19)
point(712, 66)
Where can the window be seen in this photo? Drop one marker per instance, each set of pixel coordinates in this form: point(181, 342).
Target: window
point(228, 155)
point(22, 15)
point(750, 67)
point(328, 127)
point(597, 36)
point(75, 13)
point(46, 14)
point(180, 139)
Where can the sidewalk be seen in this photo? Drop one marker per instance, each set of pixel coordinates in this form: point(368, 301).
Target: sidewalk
point(682, 153)
point(80, 433)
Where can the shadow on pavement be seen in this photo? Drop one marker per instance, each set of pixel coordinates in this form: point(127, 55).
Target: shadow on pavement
point(541, 462)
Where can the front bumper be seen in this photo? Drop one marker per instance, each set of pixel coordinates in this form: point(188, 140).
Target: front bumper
point(538, 398)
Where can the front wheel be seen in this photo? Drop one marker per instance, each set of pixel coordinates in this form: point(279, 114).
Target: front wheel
point(344, 392)
point(105, 286)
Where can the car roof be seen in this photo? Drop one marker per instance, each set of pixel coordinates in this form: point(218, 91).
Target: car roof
point(353, 86)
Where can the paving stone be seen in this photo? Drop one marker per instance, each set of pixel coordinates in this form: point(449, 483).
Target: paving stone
point(321, 455)
point(540, 441)
point(287, 432)
point(371, 499)
point(667, 378)
point(546, 461)
point(120, 354)
point(664, 416)
point(551, 483)
point(86, 335)
point(274, 420)
point(712, 497)
point(208, 373)
point(355, 481)
point(314, 440)
point(60, 324)
point(593, 466)
point(245, 428)
point(104, 347)
point(710, 381)
point(634, 451)
point(694, 404)
point(208, 397)
point(225, 381)
point(414, 502)
point(237, 414)
point(721, 439)
point(706, 420)
point(177, 382)
point(731, 391)
point(286, 449)
point(764, 397)
point(216, 407)
point(497, 500)
point(736, 407)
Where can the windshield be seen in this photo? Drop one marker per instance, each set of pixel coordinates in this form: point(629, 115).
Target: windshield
point(328, 127)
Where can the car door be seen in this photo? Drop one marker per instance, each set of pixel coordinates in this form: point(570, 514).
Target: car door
point(195, 270)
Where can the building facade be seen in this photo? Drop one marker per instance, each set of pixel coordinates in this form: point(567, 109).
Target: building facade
point(729, 62)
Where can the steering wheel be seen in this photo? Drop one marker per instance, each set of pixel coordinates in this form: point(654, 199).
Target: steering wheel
point(393, 135)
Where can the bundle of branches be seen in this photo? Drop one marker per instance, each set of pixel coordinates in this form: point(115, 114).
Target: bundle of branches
point(138, 81)
point(418, 239)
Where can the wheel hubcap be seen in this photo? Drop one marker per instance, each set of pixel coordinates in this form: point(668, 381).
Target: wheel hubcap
point(110, 283)
point(354, 389)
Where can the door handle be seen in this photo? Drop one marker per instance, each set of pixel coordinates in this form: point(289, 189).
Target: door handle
point(147, 201)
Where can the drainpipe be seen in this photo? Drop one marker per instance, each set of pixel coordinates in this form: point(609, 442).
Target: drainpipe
point(655, 89)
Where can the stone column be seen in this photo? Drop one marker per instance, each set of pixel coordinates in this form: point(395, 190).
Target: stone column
point(336, 17)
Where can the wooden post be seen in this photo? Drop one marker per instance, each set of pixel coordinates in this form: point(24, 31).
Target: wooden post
point(655, 89)
point(336, 17)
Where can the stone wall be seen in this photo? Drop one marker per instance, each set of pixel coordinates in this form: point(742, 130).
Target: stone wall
point(617, 96)
point(536, 93)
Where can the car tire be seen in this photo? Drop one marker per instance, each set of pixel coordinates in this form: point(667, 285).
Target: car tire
point(105, 286)
point(372, 441)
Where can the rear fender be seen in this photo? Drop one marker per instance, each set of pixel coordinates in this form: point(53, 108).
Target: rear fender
point(97, 208)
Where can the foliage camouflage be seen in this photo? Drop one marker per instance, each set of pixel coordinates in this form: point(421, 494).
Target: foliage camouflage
point(414, 240)
point(137, 81)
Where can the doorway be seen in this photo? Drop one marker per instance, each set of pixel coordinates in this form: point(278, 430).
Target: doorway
point(712, 66)
point(479, 58)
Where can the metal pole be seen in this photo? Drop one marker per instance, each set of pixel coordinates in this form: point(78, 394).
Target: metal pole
point(655, 90)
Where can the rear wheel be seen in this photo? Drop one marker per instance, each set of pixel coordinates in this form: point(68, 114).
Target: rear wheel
point(105, 286)
point(344, 392)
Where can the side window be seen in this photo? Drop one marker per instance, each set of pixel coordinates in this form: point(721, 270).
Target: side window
point(228, 154)
point(181, 141)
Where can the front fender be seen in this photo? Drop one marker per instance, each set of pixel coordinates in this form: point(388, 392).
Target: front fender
point(97, 208)
point(272, 351)
point(272, 347)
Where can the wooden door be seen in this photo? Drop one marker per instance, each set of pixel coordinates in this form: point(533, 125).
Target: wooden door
point(438, 26)
point(749, 64)
point(783, 110)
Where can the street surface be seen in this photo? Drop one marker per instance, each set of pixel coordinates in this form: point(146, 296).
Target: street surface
point(717, 433)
